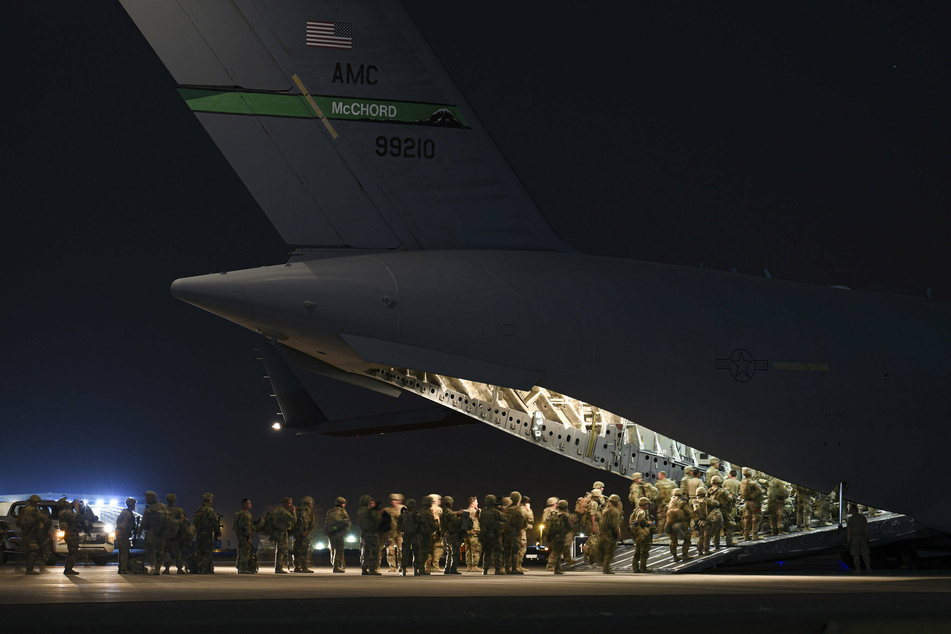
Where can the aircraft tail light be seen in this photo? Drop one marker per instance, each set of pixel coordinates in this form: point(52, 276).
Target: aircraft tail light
point(276, 426)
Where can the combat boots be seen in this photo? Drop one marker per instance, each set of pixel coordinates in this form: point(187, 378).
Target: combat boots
point(279, 570)
point(684, 554)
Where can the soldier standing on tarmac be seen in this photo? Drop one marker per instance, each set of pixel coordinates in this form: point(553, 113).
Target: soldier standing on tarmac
point(436, 548)
point(368, 518)
point(426, 528)
point(490, 536)
point(155, 522)
point(244, 526)
point(207, 529)
point(336, 525)
point(640, 527)
point(557, 524)
point(450, 523)
point(609, 529)
point(472, 543)
point(173, 541)
point(125, 530)
point(512, 527)
point(526, 508)
point(856, 534)
point(302, 530)
point(34, 531)
point(69, 524)
point(407, 528)
point(752, 494)
point(589, 523)
point(393, 540)
point(283, 520)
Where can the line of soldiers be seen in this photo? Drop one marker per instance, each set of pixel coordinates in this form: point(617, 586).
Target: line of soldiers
point(34, 523)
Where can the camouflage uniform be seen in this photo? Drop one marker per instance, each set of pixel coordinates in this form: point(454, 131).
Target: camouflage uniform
point(693, 484)
point(34, 531)
point(155, 523)
point(725, 505)
point(678, 518)
point(490, 536)
point(777, 504)
point(69, 524)
point(712, 470)
point(407, 529)
point(336, 525)
point(471, 540)
point(514, 523)
point(368, 519)
point(125, 529)
point(426, 528)
point(588, 523)
point(393, 540)
point(709, 521)
point(732, 485)
point(244, 527)
point(665, 489)
point(803, 508)
point(436, 548)
point(557, 523)
point(640, 489)
point(302, 530)
point(174, 541)
point(640, 527)
point(207, 529)
point(450, 523)
point(523, 536)
point(551, 505)
point(609, 529)
point(856, 530)
point(752, 494)
point(283, 521)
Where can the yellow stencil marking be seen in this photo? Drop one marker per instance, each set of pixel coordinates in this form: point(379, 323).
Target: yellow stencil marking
point(802, 367)
point(313, 104)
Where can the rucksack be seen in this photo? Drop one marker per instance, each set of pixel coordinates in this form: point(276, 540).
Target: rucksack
point(386, 523)
point(465, 522)
point(581, 506)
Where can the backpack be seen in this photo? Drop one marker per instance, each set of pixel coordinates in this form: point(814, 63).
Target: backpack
point(581, 506)
point(186, 530)
point(557, 526)
point(465, 522)
point(386, 523)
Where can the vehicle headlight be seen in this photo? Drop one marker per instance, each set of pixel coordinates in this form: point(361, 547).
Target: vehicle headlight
point(112, 537)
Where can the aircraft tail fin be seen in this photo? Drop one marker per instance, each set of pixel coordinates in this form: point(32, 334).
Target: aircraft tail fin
point(343, 124)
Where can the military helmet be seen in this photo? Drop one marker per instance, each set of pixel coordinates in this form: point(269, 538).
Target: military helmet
point(643, 501)
point(506, 502)
point(435, 496)
point(35, 498)
point(516, 496)
point(562, 505)
point(747, 472)
point(427, 501)
point(597, 493)
point(636, 475)
point(551, 501)
point(614, 498)
point(714, 460)
point(307, 500)
point(150, 496)
point(340, 501)
point(598, 485)
point(677, 491)
point(411, 504)
point(130, 501)
point(208, 497)
point(171, 498)
point(491, 500)
point(396, 497)
point(448, 500)
point(716, 480)
point(364, 500)
point(701, 492)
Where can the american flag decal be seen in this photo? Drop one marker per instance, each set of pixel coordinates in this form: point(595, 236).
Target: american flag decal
point(329, 34)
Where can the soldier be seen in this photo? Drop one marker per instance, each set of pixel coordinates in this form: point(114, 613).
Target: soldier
point(640, 489)
point(640, 526)
point(449, 524)
point(392, 539)
point(513, 525)
point(155, 523)
point(752, 494)
point(125, 530)
point(207, 530)
point(244, 526)
point(283, 521)
point(471, 539)
point(609, 528)
point(551, 505)
point(303, 527)
point(490, 536)
point(427, 528)
point(436, 550)
point(176, 536)
point(803, 508)
point(701, 509)
point(732, 485)
point(336, 525)
point(712, 470)
point(84, 516)
point(693, 483)
point(725, 506)
point(591, 508)
point(69, 524)
point(34, 531)
point(776, 504)
point(526, 509)
point(407, 528)
point(678, 518)
point(856, 534)
point(368, 519)
point(665, 489)
point(557, 523)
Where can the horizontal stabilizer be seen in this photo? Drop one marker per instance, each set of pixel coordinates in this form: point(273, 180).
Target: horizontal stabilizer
point(297, 406)
point(312, 364)
point(416, 358)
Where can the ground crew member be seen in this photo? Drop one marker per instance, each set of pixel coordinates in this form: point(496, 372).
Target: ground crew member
point(69, 524)
point(490, 536)
point(125, 530)
point(336, 525)
point(303, 527)
point(155, 523)
point(640, 526)
point(752, 494)
point(207, 530)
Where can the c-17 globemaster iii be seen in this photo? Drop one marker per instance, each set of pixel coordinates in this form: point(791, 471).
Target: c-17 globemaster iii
point(423, 265)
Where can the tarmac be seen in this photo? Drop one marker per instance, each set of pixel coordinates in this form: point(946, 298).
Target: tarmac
point(99, 599)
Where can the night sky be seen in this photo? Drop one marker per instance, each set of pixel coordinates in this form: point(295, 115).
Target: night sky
point(809, 139)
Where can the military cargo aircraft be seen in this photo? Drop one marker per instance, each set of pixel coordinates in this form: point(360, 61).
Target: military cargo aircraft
point(422, 265)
